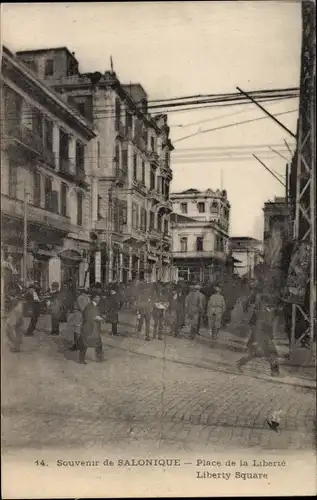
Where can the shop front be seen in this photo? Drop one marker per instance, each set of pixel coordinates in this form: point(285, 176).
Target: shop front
point(70, 267)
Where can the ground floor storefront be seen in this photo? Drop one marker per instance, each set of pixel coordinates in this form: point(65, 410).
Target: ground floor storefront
point(199, 270)
point(50, 256)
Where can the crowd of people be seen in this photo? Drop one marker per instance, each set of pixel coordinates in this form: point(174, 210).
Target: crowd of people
point(168, 307)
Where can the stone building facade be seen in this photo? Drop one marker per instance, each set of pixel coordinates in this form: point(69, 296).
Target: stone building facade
point(200, 231)
point(130, 187)
point(47, 157)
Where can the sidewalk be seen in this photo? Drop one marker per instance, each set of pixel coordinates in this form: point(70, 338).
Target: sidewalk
point(220, 356)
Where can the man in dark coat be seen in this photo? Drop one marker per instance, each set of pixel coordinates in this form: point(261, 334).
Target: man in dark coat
point(261, 343)
point(113, 305)
point(90, 335)
point(34, 304)
point(176, 306)
point(144, 306)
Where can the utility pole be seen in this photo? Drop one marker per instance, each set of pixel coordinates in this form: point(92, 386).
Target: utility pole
point(25, 236)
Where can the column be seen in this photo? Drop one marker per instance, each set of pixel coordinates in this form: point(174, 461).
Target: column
point(83, 272)
point(54, 271)
point(94, 199)
point(130, 263)
point(110, 265)
point(98, 267)
point(72, 154)
point(120, 267)
point(138, 269)
point(56, 144)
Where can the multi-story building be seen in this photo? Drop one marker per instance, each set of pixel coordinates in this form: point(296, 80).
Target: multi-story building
point(130, 194)
point(200, 227)
point(247, 252)
point(47, 158)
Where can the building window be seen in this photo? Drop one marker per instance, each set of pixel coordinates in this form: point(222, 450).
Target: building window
point(184, 208)
point(199, 244)
point(135, 213)
point(201, 207)
point(63, 150)
point(125, 161)
point(117, 157)
point(159, 222)
point(124, 212)
point(80, 209)
point(152, 219)
point(80, 156)
point(135, 166)
point(49, 67)
point(37, 189)
point(99, 216)
point(64, 190)
point(152, 178)
point(183, 244)
point(166, 227)
point(143, 172)
point(117, 114)
point(82, 108)
point(128, 122)
point(48, 193)
point(13, 180)
point(153, 143)
point(48, 134)
point(143, 219)
point(214, 207)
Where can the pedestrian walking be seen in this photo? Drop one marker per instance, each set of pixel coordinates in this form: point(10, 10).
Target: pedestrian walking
point(194, 307)
point(14, 323)
point(261, 343)
point(90, 333)
point(159, 310)
point(175, 311)
point(33, 304)
point(144, 308)
point(215, 311)
point(113, 305)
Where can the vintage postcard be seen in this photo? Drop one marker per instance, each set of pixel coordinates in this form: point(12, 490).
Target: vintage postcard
point(158, 279)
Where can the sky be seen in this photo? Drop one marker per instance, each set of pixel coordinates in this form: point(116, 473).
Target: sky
point(179, 49)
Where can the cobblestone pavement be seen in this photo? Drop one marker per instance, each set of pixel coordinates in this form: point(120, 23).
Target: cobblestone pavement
point(141, 394)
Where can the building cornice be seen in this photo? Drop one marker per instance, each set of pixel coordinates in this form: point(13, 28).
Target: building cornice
point(19, 74)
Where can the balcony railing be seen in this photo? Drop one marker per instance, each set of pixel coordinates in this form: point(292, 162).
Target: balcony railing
point(64, 166)
point(80, 174)
point(27, 137)
point(36, 215)
point(48, 156)
point(121, 175)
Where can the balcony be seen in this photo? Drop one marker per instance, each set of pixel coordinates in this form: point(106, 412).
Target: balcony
point(121, 129)
point(121, 175)
point(27, 138)
point(36, 215)
point(48, 157)
point(140, 186)
point(154, 159)
point(65, 168)
point(155, 196)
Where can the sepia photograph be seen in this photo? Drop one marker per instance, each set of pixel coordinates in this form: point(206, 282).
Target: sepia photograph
point(158, 253)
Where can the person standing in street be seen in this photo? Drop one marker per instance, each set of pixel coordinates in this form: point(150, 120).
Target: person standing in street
point(215, 311)
point(175, 311)
point(90, 334)
point(34, 304)
point(55, 308)
point(194, 307)
point(158, 313)
point(261, 343)
point(76, 319)
point(14, 323)
point(113, 306)
point(144, 308)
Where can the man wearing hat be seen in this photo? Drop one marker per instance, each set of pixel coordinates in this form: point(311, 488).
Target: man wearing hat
point(90, 334)
point(194, 307)
point(34, 303)
point(112, 307)
point(215, 311)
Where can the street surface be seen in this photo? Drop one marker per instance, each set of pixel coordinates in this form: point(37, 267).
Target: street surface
point(177, 393)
